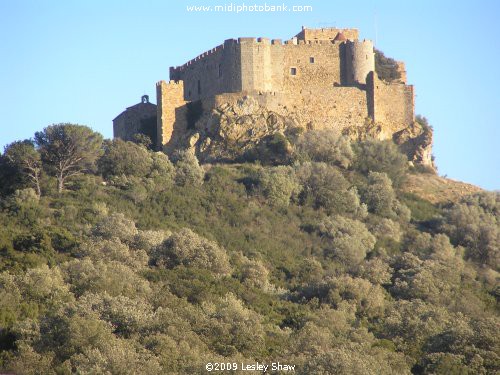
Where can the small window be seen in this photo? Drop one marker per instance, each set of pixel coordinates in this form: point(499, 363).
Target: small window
point(220, 70)
point(311, 60)
point(293, 71)
point(199, 87)
point(189, 94)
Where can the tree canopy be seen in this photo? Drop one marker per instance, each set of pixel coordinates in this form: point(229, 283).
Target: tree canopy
point(68, 150)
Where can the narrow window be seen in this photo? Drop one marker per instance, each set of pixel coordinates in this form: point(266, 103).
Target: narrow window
point(189, 94)
point(199, 87)
point(311, 60)
point(293, 71)
point(220, 70)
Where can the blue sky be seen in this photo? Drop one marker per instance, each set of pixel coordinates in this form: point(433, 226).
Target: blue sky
point(86, 61)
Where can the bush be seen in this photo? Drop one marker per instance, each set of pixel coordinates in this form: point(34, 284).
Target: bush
point(325, 146)
point(473, 223)
point(189, 249)
point(278, 185)
point(324, 186)
point(116, 225)
point(188, 169)
point(162, 166)
point(386, 67)
point(347, 240)
point(124, 158)
point(381, 156)
point(255, 274)
point(381, 198)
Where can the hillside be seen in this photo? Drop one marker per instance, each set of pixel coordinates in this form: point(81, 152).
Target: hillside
point(436, 189)
point(330, 256)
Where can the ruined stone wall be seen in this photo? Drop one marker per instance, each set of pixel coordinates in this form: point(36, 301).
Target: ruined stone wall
point(393, 104)
point(171, 111)
point(326, 34)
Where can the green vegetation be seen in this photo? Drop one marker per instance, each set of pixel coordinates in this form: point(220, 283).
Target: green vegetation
point(138, 264)
point(386, 67)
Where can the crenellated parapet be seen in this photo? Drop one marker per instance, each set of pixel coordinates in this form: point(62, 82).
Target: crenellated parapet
point(326, 33)
point(324, 76)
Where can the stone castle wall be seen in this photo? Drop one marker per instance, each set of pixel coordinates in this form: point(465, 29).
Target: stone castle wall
point(360, 60)
point(263, 65)
point(135, 119)
point(315, 65)
point(393, 104)
point(171, 111)
point(211, 73)
point(327, 84)
point(328, 33)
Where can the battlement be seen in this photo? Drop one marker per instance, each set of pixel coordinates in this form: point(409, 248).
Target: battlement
point(228, 43)
point(200, 57)
point(326, 77)
point(171, 83)
point(326, 33)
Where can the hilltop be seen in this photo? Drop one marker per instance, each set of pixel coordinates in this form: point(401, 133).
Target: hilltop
point(334, 256)
point(230, 101)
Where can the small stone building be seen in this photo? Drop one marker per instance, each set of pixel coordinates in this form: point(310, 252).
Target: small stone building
point(137, 119)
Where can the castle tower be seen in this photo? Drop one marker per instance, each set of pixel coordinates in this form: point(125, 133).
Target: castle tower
point(170, 111)
point(360, 60)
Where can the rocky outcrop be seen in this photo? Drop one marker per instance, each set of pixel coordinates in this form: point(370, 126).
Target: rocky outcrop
point(245, 130)
point(415, 140)
point(232, 132)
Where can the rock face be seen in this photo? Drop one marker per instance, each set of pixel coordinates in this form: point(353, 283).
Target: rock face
point(415, 140)
point(233, 132)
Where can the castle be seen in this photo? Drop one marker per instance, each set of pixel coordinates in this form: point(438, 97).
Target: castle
point(323, 78)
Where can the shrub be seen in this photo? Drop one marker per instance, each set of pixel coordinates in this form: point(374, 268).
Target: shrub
point(386, 228)
point(381, 156)
point(255, 274)
point(124, 158)
point(324, 186)
point(278, 185)
point(189, 249)
point(381, 198)
point(347, 240)
point(473, 223)
point(386, 67)
point(188, 169)
point(325, 146)
point(162, 166)
point(116, 225)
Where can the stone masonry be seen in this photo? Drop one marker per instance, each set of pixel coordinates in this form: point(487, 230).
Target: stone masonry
point(322, 78)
